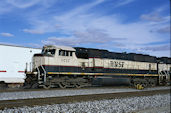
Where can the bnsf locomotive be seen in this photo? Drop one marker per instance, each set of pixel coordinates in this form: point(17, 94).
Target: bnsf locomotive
point(59, 66)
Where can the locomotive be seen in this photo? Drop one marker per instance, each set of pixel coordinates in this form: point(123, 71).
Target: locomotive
point(61, 66)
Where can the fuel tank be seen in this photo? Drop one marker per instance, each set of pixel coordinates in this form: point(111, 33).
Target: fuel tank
point(111, 81)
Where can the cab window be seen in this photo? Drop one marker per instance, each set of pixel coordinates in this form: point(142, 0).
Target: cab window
point(65, 53)
point(48, 51)
point(71, 53)
point(61, 53)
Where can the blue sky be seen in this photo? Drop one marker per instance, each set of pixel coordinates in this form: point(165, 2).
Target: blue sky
point(141, 26)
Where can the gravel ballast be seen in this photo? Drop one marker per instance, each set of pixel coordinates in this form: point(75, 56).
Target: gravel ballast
point(102, 106)
point(67, 92)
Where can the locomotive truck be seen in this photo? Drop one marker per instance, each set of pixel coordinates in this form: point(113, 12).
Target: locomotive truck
point(61, 66)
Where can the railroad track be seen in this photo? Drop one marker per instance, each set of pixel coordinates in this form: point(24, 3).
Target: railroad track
point(76, 98)
point(51, 89)
point(68, 92)
point(42, 89)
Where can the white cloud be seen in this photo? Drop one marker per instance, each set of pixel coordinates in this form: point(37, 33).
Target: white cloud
point(52, 25)
point(8, 6)
point(83, 27)
point(104, 30)
point(69, 41)
point(165, 29)
point(161, 47)
point(110, 26)
point(34, 45)
point(42, 27)
point(32, 31)
point(7, 34)
point(123, 2)
point(4, 7)
point(22, 3)
point(157, 50)
point(152, 17)
point(156, 15)
point(158, 22)
point(90, 36)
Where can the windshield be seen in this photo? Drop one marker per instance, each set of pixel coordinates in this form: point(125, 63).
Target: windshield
point(48, 51)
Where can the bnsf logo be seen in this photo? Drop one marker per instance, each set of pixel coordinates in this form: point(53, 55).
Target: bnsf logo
point(116, 64)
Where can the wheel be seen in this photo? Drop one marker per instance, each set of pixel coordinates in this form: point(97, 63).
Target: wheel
point(26, 86)
point(47, 86)
point(3, 85)
point(144, 84)
point(135, 84)
point(62, 85)
point(152, 83)
point(35, 85)
point(78, 86)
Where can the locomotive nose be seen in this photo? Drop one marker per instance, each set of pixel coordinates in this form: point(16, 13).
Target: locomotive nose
point(37, 60)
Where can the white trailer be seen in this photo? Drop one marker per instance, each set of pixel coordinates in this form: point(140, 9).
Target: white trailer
point(13, 61)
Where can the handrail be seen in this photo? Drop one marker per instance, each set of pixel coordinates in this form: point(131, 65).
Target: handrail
point(166, 73)
point(26, 67)
point(44, 73)
point(30, 66)
point(38, 73)
point(160, 76)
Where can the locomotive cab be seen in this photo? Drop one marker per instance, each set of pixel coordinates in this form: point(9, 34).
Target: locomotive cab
point(52, 61)
point(54, 56)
